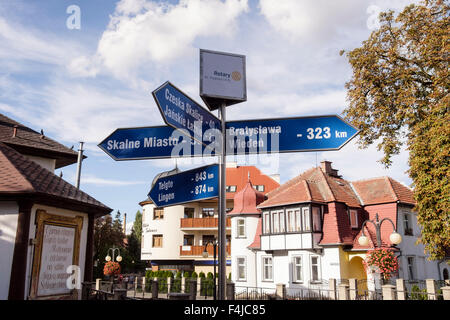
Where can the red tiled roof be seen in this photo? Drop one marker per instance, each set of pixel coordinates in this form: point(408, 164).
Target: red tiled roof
point(19, 175)
point(28, 141)
point(382, 190)
point(239, 176)
point(313, 185)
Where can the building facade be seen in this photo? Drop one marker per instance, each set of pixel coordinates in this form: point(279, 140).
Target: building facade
point(174, 237)
point(307, 231)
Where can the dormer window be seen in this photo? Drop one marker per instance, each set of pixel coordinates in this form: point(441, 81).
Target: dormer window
point(353, 218)
point(230, 188)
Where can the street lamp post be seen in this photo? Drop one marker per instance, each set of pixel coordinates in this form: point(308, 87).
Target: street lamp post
point(118, 258)
point(205, 255)
point(395, 237)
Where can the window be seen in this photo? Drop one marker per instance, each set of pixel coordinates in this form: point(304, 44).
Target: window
point(315, 269)
point(276, 222)
point(266, 222)
point(208, 238)
point(353, 218)
point(189, 213)
point(282, 224)
point(267, 269)
point(157, 241)
point(298, 221)
point(158, 214)
point(306, 220)
point(230, 188)
point(240, 231)
point(290, 220)
point(298, 269)
point(411, 268)
point(259, 188)
point(241, 264)
point(188, 240)
point(208, 212)
point(407, 223)
point(317, 224)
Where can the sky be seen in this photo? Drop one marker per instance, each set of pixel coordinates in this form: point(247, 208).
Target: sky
point(80, 69)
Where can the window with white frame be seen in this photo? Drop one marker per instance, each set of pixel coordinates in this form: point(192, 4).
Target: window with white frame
point(298, 220)
point(266, 222)
point(315, 269)
point(290, 216)
point(353, 218)
point(282, 224)
point(240, 228)
point(317, 223)
point(407, 224)
point(305, 219)
point(411, 265)
point(275, 222)
point(267, 269)
point(298, 269)
point(241, 263)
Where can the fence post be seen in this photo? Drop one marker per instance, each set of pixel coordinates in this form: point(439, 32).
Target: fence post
point(183, 284)
point(343, 291)
point(281, 291)
point(169, 285)
point(431, 289)
point(332, 288)
point(97, 283)
point(192, 289)
point(155, 289)
point(401, 289)
point(446, 292)
point(143, 286)
point(231, 290)
point(199, 286)
point(353, 288)
point(388, 292)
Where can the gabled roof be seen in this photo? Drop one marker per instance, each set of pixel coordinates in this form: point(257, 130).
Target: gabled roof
point(28, 141)
point(383, 190)
point(21, 176)
point(312, 186)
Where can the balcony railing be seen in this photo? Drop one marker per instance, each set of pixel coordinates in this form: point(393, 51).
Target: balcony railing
point(202, 222)
point(198, 250)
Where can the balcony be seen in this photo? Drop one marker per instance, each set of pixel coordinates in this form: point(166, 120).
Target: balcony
point(202, 223)
point(198, 250)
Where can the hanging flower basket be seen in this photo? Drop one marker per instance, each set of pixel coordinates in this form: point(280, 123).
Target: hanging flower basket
point(383, 261)
point(111, 268)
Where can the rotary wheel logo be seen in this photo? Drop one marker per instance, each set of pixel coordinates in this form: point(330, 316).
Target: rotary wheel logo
point(236, 75)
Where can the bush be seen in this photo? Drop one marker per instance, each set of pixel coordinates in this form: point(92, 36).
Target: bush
point(417, 294)
point(201, 274)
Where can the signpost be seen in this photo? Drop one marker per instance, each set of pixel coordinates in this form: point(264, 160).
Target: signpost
point(181, 112)
point(222, 83)
point(192, 185)
point(151, 143)
point(316, 133)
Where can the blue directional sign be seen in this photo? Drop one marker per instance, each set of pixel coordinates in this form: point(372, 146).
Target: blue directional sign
point(151, 143)
point(299, 134)
point(192, 185)
point(181, 112)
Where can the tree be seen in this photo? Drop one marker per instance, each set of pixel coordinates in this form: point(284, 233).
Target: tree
point(137, 226)
point(398, 94)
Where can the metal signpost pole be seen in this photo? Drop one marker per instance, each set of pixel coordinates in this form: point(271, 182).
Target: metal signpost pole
point(222, 209)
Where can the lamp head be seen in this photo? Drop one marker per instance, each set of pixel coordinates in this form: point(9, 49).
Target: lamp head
point(108, 258)
point(395, 237)
point(119, 258)
point(363, 240)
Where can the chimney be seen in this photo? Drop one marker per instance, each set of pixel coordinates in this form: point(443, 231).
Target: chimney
point(327, 169)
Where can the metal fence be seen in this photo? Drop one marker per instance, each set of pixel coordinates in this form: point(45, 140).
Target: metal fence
point(254, 293)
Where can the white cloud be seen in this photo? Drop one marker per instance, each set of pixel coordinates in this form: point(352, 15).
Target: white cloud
point(145, 32)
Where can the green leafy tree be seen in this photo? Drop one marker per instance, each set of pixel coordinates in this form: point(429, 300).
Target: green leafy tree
point(399, 93)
